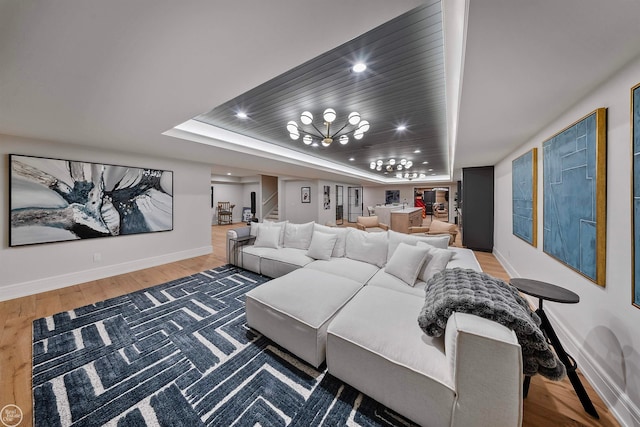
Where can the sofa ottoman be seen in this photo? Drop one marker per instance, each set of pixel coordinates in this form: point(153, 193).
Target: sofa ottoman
point(294, 310)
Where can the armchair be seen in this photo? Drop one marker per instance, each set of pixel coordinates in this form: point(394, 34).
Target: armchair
point(225, 212)
point(438, 227)
point(439, 211)
point(370, 223)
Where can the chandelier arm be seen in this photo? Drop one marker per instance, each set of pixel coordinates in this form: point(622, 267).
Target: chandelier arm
point(310, 134)
point(319, 131)
point(340, 130)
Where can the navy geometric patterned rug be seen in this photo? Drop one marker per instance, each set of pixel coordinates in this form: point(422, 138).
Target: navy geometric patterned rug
point(181, 354)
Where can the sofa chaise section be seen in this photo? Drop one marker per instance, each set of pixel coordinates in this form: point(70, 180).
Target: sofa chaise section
point(472, 376)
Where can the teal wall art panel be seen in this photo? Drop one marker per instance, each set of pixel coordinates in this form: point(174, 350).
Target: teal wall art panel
point(524, 173)
point(635, 145)
point(574, 196)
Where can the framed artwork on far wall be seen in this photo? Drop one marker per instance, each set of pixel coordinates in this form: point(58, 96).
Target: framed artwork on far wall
point(574, 196)
point(305, 194)
point(391, 196)
point(327, 197)
point(635, 182)
point(524, 191)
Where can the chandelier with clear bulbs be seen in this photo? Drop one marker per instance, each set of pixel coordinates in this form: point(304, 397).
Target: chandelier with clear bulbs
point(326, 136)
point(391, 165)
point(397, 166)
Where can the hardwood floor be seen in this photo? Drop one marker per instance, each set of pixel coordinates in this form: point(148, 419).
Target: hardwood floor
point(549, 403)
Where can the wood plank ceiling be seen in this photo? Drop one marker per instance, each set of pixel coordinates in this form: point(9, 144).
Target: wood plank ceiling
point(403, 84)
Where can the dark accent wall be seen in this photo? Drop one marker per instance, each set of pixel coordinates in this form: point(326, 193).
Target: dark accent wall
point(477, 194)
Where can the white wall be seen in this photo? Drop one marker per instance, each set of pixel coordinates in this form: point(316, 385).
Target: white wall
point(293, 208)
point(602, 331)
point(31, 269)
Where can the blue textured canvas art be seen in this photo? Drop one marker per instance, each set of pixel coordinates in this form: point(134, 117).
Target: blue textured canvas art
point(574, 196)
point(523, 189)
point(56, 200)
point(635, 119)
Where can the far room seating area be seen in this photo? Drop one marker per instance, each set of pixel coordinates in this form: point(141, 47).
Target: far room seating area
point(370, 224)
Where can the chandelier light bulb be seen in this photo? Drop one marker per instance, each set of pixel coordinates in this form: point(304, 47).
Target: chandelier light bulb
point(354, 118)
point(363, 126)
point(326, 142)
point(372, 165)
point(292, 127)
point(399, 175)
point(294, 136)
point(357, 134)
point(307, 139)
point(392, 162)
point(306, 118)
point(329, 115)
point(408, 164)
point(379, 168)
point(389, 168)
point(399, 167)
point(379, 163)
point(403, 162)
point(344, 139)
point(423, 175)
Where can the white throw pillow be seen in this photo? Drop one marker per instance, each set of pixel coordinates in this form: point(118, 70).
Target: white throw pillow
point(436, 261)
point(298, 235)
point(321, 245)
point(280, 224)
point(396, 238)
point(367, 247)
point(438, 240)
point(254, 229)
point(268, 237)
point(406, 262)
point(341, 233)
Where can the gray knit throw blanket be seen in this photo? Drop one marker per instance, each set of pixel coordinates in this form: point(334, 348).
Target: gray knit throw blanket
point(473, 292)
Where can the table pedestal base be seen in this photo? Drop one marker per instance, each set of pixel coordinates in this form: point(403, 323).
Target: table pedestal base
point(569, 363)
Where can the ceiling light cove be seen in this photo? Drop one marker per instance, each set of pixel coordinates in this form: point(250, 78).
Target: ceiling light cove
point(311, 132)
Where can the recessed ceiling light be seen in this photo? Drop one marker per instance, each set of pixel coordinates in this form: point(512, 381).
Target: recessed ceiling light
point(417, 152)
point(359, 67)
point(315, 144)
point(351, 159)
point(425, 163)
point(241, 115)
point(430, 170)
point(401, 128)
point(228, 173)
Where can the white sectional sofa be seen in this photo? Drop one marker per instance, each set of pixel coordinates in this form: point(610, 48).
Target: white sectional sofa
point(353, 298)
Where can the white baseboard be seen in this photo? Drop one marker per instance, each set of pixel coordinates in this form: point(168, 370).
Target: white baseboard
point(617, 400)
point(505, 264)
point(18, 290)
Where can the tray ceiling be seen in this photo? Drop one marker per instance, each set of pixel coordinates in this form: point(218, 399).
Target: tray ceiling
point(403, 85)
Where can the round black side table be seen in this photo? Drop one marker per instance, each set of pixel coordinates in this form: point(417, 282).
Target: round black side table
point(546, 291)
